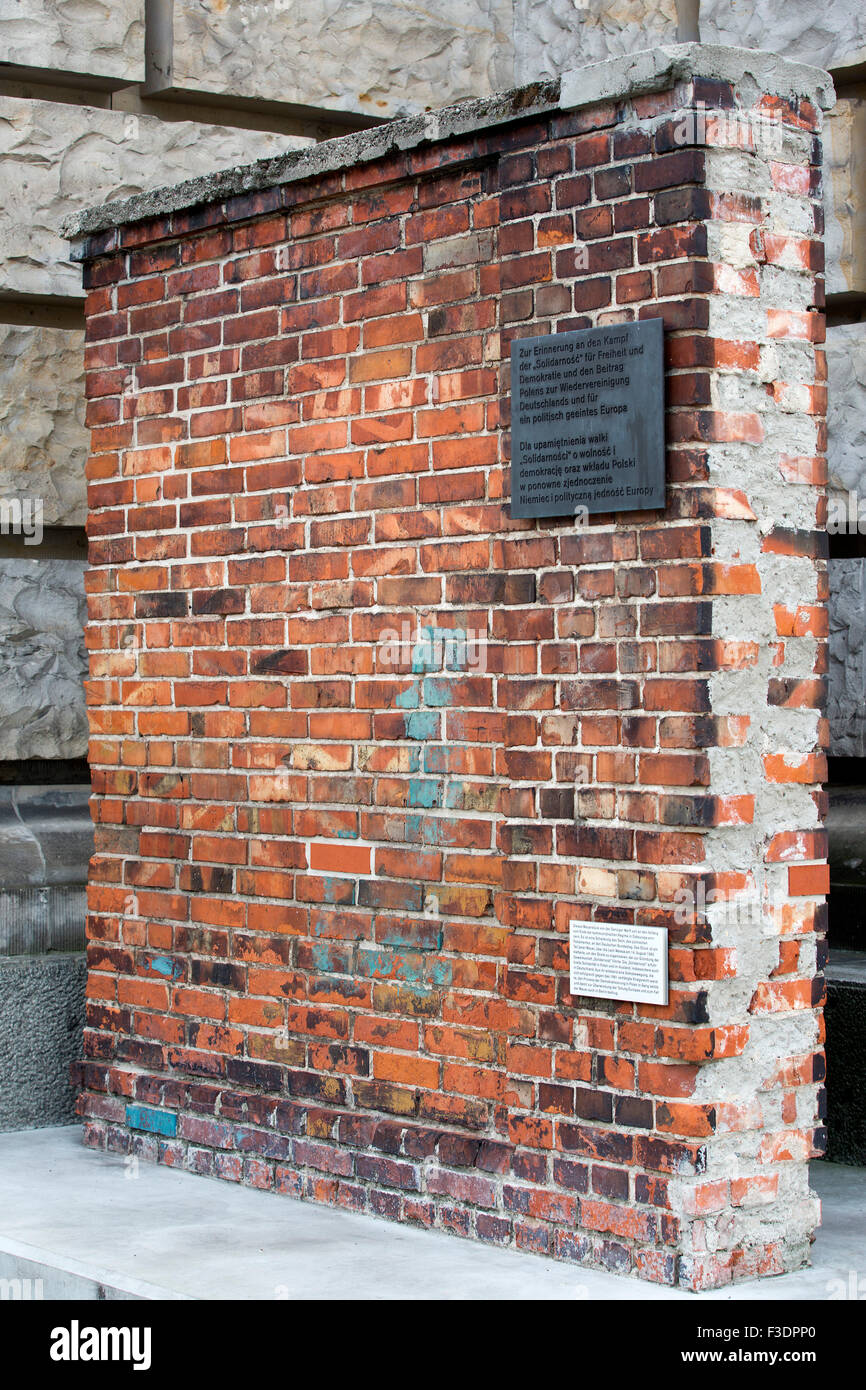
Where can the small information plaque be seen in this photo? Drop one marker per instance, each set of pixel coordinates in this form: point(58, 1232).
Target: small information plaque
point(587, 421)
point(619, 962)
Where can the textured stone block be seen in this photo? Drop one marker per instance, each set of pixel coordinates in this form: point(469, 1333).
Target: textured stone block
point(59, 158)
point(846, 410)
point(845, 196)
point(46, 840)
point(829, 35)
point(380, 57)
point(43, 439)
point(41, 1020)
point(42, 659)
point(554, 36)
point(847, 680)
point(104, 38)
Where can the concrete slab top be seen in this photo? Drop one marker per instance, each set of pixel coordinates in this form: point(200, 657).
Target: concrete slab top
point(97, 1225)
point(614, 79)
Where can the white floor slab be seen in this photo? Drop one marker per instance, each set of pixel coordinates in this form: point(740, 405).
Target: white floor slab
point(74, 1218)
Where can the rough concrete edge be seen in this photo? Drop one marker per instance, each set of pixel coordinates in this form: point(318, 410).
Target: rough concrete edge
point(43, 1263)
point(341, 152)
point(652, 69)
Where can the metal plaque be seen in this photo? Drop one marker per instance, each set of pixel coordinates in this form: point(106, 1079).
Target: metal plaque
point(619, 962)
point(587, 421)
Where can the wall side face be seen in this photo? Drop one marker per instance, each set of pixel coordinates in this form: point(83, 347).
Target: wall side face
point(331, 894)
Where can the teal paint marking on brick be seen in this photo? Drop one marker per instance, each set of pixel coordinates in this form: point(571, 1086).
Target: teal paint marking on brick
point(411, 698)
point(424, 652)
point(438, 691)
point(339, 890)
point(392, 965)
point(325, 958)
point(323, 926)
point(418, 829)
point(440, 649)
point(424, 793)
point(454, 646)
point(423, 936)
point(152, 1121)
point(435, 759)
point(164, 965)
point(422, 726)
point(441, 973)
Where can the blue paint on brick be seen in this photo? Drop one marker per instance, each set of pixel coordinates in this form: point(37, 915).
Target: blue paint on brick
point(339, 890)
point(424, 653)
point(392, 965)
point(441, 972)
point(438, 691)
point(405, 967)
point(436, 759)
point(153, 1121)
point(440, 649)
point(425, 793)
point(417, 829)
point(323, 957)
point(164, 965)
point(410, 698)
point(422, 726)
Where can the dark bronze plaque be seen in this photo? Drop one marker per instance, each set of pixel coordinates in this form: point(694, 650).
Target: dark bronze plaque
point(587, 421)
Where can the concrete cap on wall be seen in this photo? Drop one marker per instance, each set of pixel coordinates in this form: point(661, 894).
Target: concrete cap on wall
point(616, 79)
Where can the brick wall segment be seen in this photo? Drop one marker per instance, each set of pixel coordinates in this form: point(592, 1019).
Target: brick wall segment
point(363, 745)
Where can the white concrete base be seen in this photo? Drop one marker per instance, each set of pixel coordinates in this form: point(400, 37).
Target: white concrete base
point(92, 1225)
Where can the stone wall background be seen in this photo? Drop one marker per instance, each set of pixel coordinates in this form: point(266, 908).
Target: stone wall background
point(382, 57)
point(43, 438)
point(59, 158)
point(254, 64)
point(42, 658)
point(104, 38)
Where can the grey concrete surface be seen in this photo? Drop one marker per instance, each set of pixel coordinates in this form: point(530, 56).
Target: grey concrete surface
point(46, 840)
point(41, 1018)
point(392, 57)
point(846, 462)
point(847, 967)
point(83, 1220)
point(39, 921)
point(46, 835)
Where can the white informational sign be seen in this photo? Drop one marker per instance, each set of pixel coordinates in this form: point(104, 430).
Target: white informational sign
point(619, 962)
